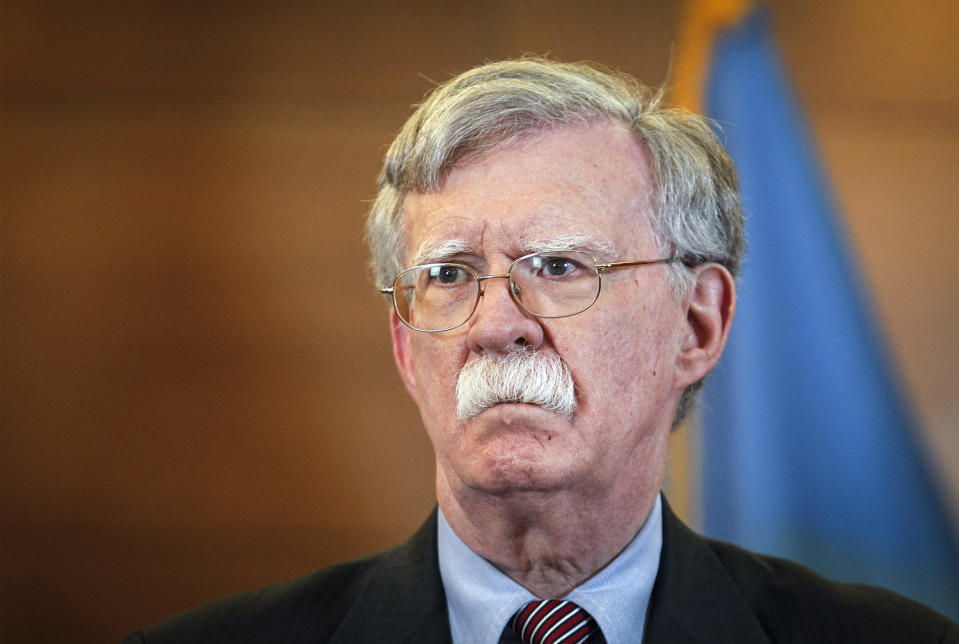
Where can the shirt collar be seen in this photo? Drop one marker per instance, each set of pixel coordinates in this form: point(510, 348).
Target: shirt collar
point(480, 598)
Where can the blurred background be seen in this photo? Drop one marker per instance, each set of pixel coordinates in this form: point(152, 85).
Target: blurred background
point(197, 390)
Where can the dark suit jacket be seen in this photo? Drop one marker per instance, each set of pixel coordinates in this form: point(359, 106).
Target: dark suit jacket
point(706, 591)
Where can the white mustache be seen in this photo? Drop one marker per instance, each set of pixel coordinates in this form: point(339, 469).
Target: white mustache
point(521, 377)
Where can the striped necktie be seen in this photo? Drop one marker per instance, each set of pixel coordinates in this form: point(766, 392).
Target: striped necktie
point(553, 621)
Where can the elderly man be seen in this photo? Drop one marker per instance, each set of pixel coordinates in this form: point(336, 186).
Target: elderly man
point(559, 251)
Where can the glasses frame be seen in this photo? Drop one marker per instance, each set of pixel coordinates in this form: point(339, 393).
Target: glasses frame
point(601, 267)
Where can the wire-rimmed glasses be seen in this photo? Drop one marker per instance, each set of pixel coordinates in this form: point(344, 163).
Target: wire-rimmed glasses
point(442, 296)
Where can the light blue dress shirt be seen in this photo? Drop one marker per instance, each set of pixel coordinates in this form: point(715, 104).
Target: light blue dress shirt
point(480, 599)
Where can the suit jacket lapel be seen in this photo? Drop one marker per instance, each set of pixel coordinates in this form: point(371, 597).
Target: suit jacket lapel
point(694, 599)
point(404, 599)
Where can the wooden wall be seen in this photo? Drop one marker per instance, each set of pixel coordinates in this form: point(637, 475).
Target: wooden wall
point(198, 395)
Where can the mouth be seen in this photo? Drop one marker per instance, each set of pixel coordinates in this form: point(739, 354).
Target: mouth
point(515, 405)
point(506, 408)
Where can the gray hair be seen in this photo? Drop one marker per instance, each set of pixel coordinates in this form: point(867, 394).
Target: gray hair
point(697, 214)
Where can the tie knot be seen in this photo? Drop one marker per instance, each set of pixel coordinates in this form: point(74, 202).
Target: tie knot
point(553, 621)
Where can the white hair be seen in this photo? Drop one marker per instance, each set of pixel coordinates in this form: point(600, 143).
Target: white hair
point(524, 376)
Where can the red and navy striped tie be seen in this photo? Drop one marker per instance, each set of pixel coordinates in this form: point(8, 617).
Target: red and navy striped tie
point(553, 621)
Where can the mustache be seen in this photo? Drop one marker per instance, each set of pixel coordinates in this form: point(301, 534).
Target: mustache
point(524, 376)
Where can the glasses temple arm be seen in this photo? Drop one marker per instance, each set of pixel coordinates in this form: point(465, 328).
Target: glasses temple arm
point(639, 262)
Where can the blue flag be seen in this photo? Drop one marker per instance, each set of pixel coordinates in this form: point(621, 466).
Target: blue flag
point(809, 449)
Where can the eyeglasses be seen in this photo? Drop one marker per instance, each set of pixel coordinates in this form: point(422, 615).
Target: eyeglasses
point(440, 297)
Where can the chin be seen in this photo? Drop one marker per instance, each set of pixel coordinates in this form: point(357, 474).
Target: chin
point(516, 447)
point(521, 463)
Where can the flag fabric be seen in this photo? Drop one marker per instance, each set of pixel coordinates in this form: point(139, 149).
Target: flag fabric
point(809, 448)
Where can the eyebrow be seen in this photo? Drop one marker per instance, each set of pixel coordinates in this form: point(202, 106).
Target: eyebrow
point(584, 243)
point(431, 252)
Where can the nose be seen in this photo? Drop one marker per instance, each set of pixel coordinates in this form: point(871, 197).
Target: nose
point(499, 324)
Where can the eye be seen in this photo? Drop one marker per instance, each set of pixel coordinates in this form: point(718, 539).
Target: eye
point(448, 274)
point(557, 266)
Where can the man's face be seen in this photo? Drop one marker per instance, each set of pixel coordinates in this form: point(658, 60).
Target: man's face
point(585, 185)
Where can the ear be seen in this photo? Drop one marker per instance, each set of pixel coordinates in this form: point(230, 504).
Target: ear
point(710, 307)
point(402, 353)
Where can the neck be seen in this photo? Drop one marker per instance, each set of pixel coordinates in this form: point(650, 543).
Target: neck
point(548, 542)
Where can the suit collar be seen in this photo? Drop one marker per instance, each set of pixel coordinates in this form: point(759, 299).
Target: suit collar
point(694, 598)
point(404, 599)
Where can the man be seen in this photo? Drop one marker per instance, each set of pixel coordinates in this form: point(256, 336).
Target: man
point(560, 252)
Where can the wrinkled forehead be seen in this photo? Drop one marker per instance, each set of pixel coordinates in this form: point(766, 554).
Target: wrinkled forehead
point(578, 188)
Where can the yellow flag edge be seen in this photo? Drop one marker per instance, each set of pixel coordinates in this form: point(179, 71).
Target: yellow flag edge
point(702, 20)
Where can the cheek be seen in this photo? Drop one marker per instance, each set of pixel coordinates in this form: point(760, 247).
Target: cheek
point(623, 357)
point(437, 363)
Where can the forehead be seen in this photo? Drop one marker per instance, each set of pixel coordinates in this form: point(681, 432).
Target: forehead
point(588, 182)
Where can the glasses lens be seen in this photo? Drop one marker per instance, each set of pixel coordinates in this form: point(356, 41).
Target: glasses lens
point(553, 285)
point(435, 297)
